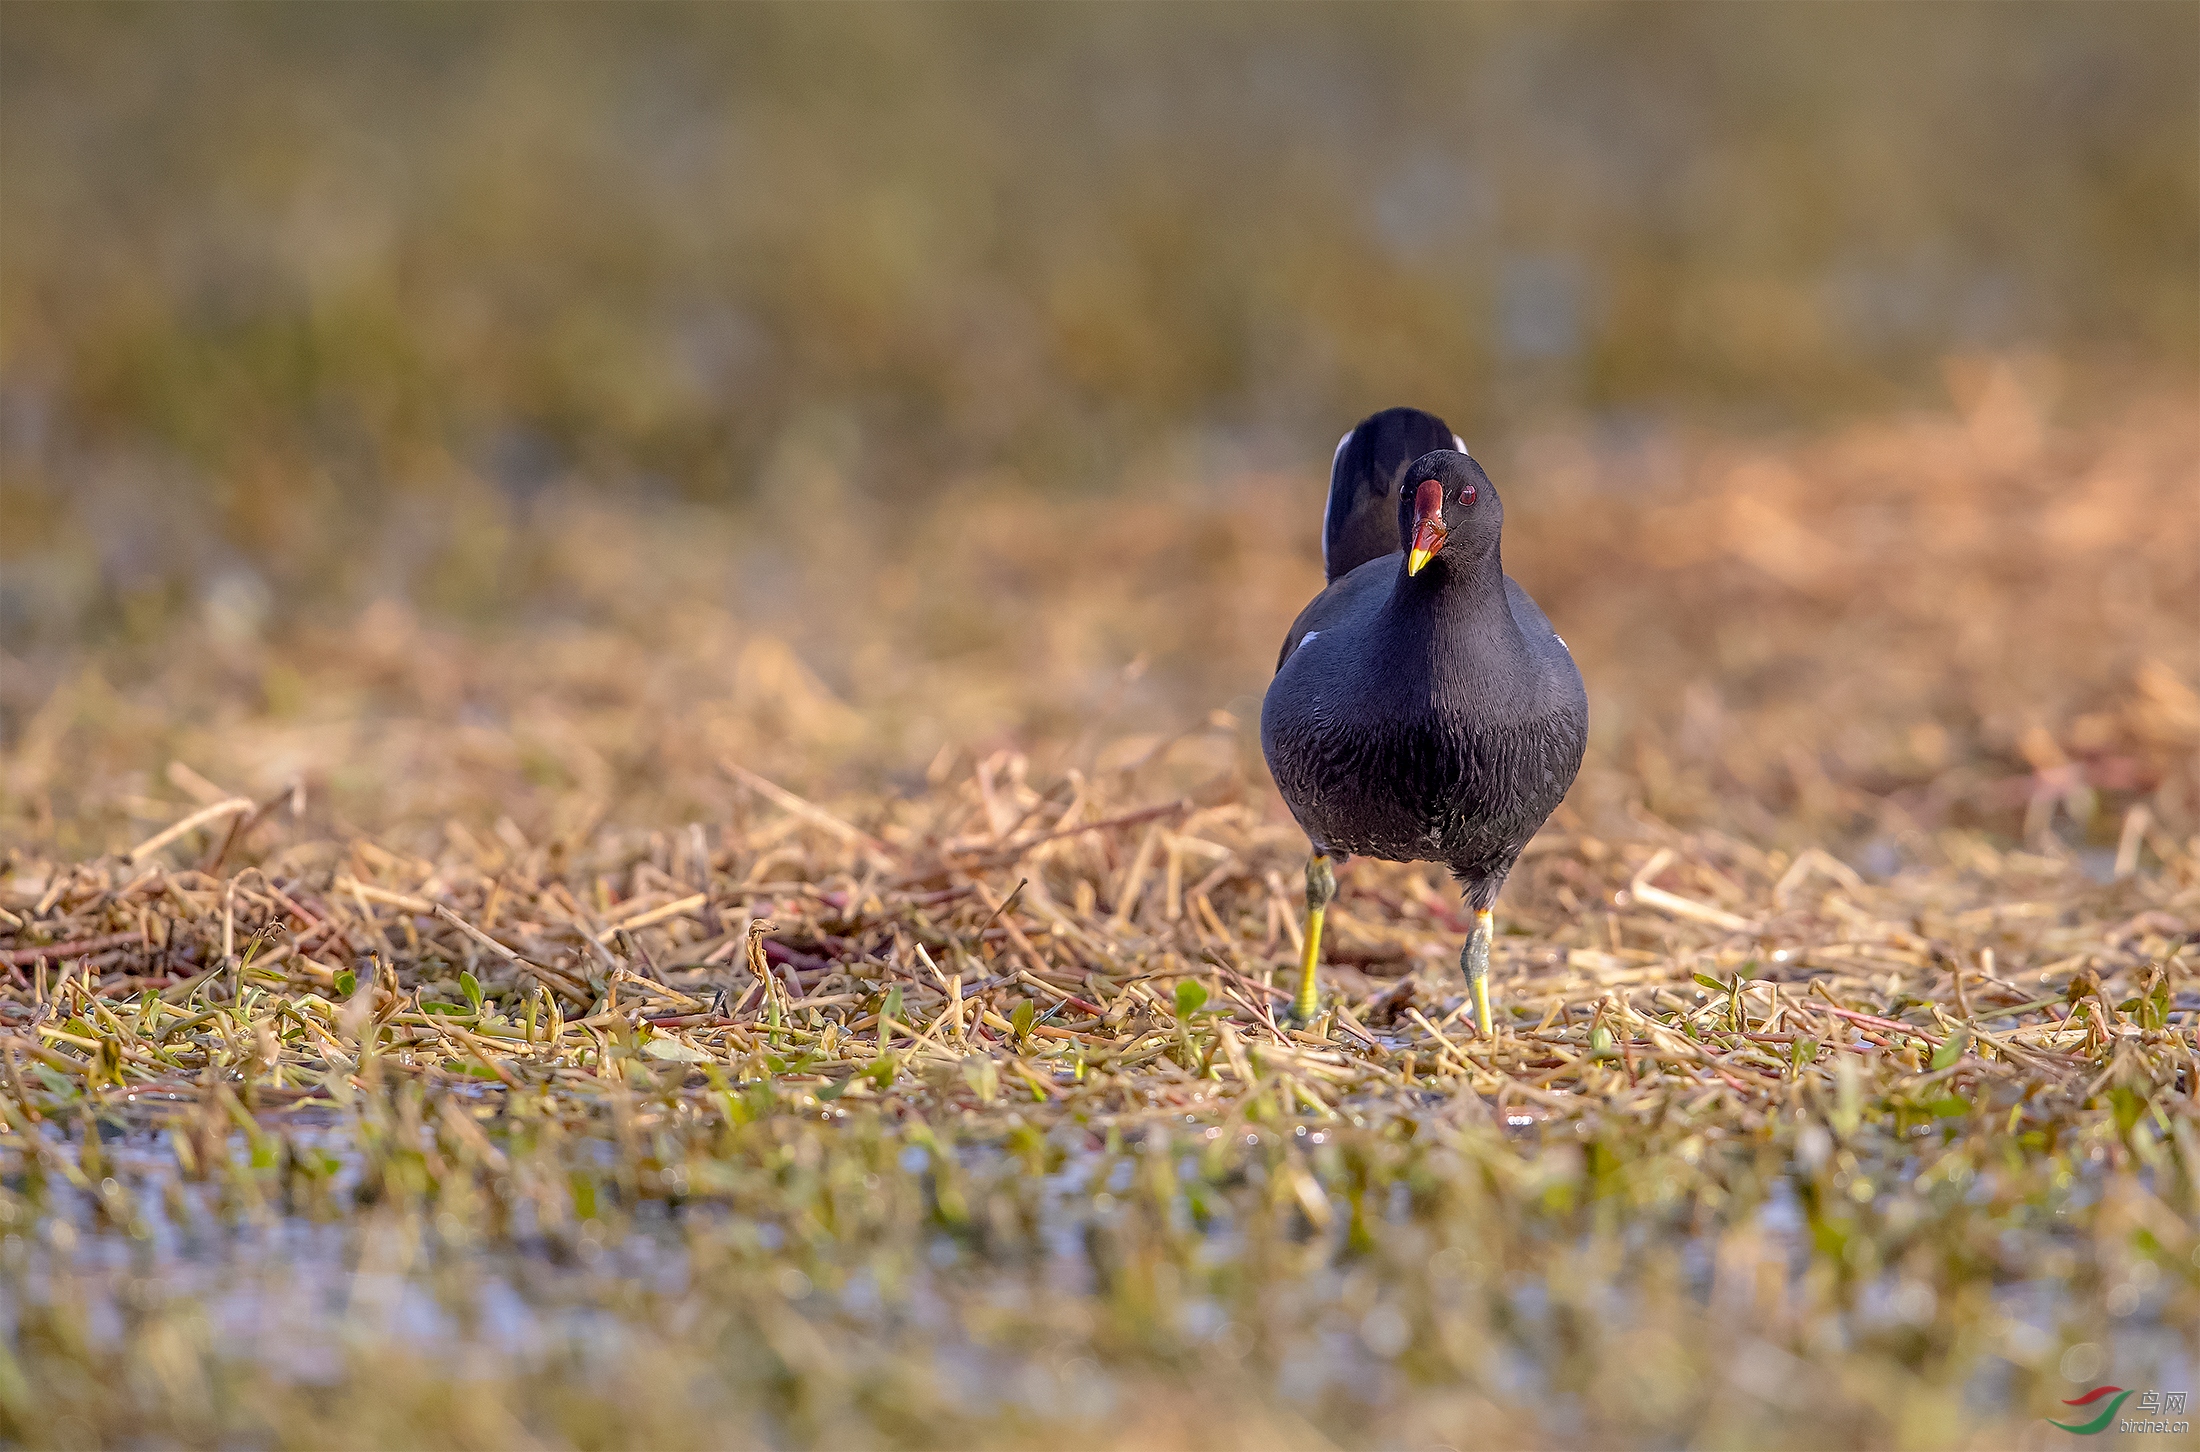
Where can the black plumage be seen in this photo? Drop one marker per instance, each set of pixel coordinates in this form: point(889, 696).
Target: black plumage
point(1423, 708)
point(1360, 522)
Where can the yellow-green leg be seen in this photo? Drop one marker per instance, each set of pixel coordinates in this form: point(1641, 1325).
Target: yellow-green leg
point(1475, 960)
point(1321, 886)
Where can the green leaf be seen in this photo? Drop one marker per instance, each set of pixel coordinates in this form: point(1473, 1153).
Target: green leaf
point(677, 1052)
point(983, 1076)
point(1805, 1052)
point(1020, 1019)
point(446, 1009)
point(2154, 1008)
point(55, 1083)
point(1190, 994)
point(1705, 980)
point(347, 983)
point(471, 987)
point(892, 1007)
point(2128, 1104)
point(1949, 1052)
point(1955, 1106)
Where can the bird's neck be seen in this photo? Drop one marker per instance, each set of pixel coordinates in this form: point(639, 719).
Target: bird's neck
point(1465, 617)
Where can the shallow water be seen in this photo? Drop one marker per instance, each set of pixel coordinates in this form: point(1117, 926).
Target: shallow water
point(1066, 1287)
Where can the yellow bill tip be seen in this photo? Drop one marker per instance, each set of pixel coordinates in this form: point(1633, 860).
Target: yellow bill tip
point(1415, 559)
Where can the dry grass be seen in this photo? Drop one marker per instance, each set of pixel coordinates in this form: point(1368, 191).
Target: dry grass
point(522, 1059)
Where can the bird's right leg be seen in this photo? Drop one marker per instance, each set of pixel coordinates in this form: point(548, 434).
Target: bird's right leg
point(1321, 886)
point(1474, 961)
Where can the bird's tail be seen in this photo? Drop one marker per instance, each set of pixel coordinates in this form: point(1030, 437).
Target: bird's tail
point(1361, 521)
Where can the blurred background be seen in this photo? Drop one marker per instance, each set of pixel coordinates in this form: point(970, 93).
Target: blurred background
point(519, 410)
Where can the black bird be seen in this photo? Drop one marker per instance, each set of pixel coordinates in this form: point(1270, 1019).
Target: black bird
point(1423, 709)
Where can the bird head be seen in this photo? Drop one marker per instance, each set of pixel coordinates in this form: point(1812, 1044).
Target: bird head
point(1448, 508)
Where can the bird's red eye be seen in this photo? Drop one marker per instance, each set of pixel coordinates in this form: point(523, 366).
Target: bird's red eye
point(1466, 494)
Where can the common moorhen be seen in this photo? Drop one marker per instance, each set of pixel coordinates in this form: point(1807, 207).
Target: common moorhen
point(1423, 709)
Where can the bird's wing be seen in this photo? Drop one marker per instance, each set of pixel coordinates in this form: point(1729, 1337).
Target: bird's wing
point(1344, 600)
point(1547, 644)
point(1528, 615)
point(1360, 522)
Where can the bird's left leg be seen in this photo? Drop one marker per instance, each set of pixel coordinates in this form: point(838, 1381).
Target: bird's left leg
point(1321, 886)
point(1474, 960)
